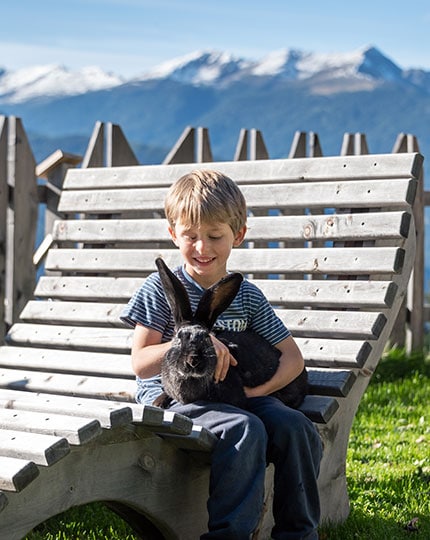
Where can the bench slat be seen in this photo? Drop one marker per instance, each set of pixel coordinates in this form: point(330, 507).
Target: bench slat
point(318, 293)
point(339, 324)
point(317, 352)
point(260, 171)
point(332, 382)
point(341, 261)
point(16, 474)
point(397, 193)
point(108, 413)
point(68, 384)
point(42, 449)
point(75, 430)
point(328, 383)
point(84, 362)
point(319, 409)
point(361, 226)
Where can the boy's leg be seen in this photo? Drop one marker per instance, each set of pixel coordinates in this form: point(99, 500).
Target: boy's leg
point(238, 466)
point(295, 448)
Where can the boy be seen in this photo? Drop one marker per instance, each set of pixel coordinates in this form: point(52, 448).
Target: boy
point(206, 214)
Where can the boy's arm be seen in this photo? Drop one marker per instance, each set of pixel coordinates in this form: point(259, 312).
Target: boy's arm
point(291, 364)
point(147, 351)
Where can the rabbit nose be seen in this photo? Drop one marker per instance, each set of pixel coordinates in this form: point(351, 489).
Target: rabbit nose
point(193, 360)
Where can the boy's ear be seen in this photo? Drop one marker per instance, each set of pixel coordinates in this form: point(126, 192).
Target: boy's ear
point(172, 235)
point(240, 235)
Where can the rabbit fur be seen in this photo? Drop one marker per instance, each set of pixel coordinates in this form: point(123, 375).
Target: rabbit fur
point(188, 367)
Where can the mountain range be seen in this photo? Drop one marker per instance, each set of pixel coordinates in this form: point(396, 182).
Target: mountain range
point(286, 91)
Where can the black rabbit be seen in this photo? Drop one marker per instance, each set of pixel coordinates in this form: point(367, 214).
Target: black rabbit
point(188, 367)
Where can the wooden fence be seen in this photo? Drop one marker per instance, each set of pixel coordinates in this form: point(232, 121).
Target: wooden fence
point(25, 188)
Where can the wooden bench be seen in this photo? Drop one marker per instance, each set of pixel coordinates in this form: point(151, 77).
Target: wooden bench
point(331, 243)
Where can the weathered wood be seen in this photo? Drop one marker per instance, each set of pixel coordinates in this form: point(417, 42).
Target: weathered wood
point(42, 449)
point(289, 228)
point(20, 272)
point(109, 414)
point(53, 169)
point(4, 196)
point(250, 145)
point(415, 299)
point(358, 261)
point(16, 474)
point(193, 146)
point(271, 171)
point(283, 196)
point(310, 293)
point(74, 429)
point(94, 154)
point(337, 324)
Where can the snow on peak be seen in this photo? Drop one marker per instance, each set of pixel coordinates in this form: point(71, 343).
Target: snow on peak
point(53, 80)
point(294, 64)
point(200, 67)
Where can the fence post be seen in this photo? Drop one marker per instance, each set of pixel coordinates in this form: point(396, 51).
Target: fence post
point(3, 223)
point(415, 298)
point(299, 146)
point(21, 221)
point(108, 147)
point(53, 170)
point(193, 146)
point(250, 145)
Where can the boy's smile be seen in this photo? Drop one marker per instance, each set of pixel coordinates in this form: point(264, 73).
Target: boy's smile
point(205, 249)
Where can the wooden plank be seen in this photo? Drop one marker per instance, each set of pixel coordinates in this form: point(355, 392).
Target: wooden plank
point(73, 313)
point(71, 337)
point(334, 382)
point(334, 353)
point(71, 385)
point(368, 226)
point(320, 409)
point(342, 194)
point(319, 352)
point(75, 430)
point(340, 261)
point(16, 474)
point(110, 414)
point(67, 361)
point(272, 170)
point(42, 449)
point(22, 219)
point(311, 323)
point(331, 382)
point(4, 197)
point(334, 324)
point(318, 293)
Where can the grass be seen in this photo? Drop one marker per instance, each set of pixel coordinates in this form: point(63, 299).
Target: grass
point(388, 466)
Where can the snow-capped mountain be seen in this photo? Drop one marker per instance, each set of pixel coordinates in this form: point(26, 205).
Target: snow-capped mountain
point(52, 80)
point(362, 69)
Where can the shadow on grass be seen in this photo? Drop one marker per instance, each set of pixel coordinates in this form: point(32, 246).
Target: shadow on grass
point(396, 364)
point(362, 526)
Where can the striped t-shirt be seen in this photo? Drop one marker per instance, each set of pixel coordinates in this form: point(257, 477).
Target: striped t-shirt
point(250, 309)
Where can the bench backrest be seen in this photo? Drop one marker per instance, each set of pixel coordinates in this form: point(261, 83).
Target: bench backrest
point(328, 242)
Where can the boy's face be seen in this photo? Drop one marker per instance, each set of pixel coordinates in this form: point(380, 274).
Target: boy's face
point(206, 249)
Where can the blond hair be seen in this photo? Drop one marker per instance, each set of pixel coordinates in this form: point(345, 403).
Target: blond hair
point(204, 196)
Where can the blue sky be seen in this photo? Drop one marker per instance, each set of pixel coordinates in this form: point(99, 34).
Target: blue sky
point(129, 37)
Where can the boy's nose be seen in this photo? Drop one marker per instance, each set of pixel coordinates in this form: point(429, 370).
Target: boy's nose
point(200, 246)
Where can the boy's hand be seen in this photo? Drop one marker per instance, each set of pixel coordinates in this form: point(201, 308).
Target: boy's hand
point(224, 359)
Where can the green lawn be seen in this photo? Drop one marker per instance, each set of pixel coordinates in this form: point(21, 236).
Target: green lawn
point(388, 466)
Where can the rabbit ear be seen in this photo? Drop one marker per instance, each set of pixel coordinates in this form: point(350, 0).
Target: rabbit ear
point(176, 294)
point(217, 298)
